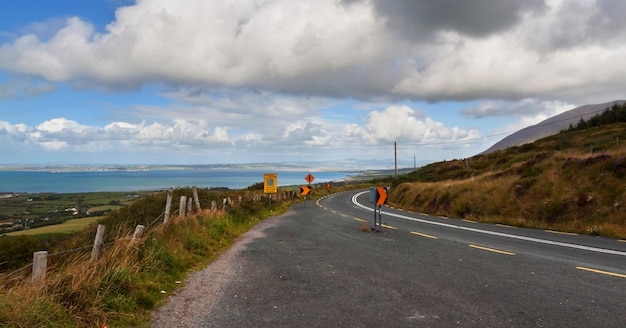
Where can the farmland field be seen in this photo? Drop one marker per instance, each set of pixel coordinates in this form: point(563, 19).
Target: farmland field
point(68, 226)
point(60, 212)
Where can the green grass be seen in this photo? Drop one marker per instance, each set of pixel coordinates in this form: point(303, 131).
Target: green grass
point(125, 284)
point(68, 226)
point(42, 209)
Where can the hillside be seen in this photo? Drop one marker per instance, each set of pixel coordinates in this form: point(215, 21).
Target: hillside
point(572, 181)
point(551, 126)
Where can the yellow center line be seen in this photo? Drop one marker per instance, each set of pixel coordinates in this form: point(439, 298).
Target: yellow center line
point(622, 240)
point(343, 215)
point(424, 214)
point(360, 220)
point(603, 272)
point(470, 221)
point(423, 235)
point(562, 233)
point(388, 227)
point(492, 250)
point(505, 225)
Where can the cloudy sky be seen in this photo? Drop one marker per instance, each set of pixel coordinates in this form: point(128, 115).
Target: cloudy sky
point(202, 81)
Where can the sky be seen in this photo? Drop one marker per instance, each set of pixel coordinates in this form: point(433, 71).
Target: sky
point(263, 81)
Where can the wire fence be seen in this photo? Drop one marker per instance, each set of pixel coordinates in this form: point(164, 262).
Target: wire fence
point(96, 246)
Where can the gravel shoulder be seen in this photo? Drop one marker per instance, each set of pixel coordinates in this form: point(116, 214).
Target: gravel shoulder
point(189, 305)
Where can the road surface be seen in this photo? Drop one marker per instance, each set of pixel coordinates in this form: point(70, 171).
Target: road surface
point(320, 265)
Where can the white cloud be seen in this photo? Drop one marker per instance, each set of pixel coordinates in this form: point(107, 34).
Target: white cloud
point(409, 125)
point(328, 48)
point(317, 136)
point(265, 74)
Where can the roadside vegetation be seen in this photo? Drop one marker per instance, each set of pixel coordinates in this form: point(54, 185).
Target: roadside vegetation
point(574, 181)
point(130, 279)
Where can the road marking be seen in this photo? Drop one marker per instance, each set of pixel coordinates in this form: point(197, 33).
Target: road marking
point(492, 250)
point(562, 233)
point(469, 221)
point(493, 233)
point(622, 240)
point(360, 220)
point(505, 225)
point(423, 235)
point(388, 227)
point(424, 214)
point(603, 272)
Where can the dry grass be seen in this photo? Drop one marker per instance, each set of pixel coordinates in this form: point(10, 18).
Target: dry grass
point(539, 188)
point(130, 278)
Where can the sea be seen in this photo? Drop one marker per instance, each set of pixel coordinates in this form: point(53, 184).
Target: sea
point(55, 181)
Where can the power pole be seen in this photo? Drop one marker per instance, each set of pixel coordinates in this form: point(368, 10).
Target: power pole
point(395, 159)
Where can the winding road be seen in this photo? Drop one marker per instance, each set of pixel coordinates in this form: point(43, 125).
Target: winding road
point(320, 265)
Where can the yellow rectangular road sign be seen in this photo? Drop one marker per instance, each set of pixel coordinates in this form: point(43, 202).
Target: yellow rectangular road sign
point(270, 183)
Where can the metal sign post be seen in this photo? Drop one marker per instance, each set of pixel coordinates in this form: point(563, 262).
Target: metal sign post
point(378, 196)
point(270, 185)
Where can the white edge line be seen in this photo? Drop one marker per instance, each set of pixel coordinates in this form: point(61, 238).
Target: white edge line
point(494, 233)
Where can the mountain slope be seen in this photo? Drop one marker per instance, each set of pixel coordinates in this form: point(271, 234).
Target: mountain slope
point(557, 183)
point(551, 126)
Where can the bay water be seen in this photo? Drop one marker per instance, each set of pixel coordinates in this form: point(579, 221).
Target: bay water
point(139, 180)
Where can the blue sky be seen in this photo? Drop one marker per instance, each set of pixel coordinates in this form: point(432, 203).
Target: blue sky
point(203, 82)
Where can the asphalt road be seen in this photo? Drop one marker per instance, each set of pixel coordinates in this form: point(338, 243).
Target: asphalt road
point(320, 265)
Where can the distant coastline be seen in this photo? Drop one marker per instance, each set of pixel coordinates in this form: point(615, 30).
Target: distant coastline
point(347, 165)
point(126, 179)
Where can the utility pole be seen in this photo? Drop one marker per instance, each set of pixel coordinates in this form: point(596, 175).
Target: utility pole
point(395, 159)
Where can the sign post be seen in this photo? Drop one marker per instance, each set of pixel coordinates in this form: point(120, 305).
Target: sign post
point(305, 190)
point(378, 196)
point(382, 197)
point(270, 185)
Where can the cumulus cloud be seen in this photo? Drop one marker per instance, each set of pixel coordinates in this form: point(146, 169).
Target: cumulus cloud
point(409, 125)
point(296, 140)
point(249, 74)
point(496, 49)
point(423, 19)
point(63, 134)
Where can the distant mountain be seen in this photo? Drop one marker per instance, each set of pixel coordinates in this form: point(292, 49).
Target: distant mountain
point(551, 126)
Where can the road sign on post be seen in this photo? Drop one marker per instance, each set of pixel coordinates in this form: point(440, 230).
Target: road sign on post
point(270, 185)
point(382, 195)
point(304, 190)
point(309, 178)
point(377, 196)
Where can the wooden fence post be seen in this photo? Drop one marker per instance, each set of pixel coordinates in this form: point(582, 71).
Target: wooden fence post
point(213, 205)
point(97, 244)
point(182, 205)
point(194, 190)
point(40, 263)
point(168, 206)
point(139, 229)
